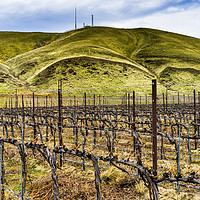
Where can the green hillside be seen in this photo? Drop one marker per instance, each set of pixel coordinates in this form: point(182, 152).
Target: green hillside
point(15, 43)
point(99, 57)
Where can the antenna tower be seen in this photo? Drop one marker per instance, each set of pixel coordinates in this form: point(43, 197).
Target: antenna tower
point(75, 26)
point(92, 20)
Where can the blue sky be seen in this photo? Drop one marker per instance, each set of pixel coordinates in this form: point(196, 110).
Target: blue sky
point(180, 16)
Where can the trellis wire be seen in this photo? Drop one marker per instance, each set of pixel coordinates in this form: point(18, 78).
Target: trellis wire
point(127, 113)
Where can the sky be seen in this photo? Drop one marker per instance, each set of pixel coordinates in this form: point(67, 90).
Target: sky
point(179, 16)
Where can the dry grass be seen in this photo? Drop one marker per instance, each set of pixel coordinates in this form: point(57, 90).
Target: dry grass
point(77, 184)
point(166, 193)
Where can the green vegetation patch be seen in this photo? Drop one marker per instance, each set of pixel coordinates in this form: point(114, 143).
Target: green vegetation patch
point(16, 43)
point(180, 75)
point(86, 72)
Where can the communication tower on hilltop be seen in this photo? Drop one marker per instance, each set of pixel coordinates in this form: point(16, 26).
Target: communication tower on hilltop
point(92, 20)
point(75, 22)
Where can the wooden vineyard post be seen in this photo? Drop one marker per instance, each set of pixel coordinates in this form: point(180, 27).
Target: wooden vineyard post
point(146, 99)
point(195, 120)
point(23, 165)
point(86, 131)
point(34, 125)
point(46, 102)
point(74, 101)
point(198, 109)
point(166, 101)
point(11, 103)
point(154, 126)
point(134, 127)
point(16, 99)
point(99, 100)
point(60, 117)
point(85, 110)
point(199, 99)
point(134, 111)
point(163, 95)
point(2, 174)
point(129, 111)
point(94, 99)
point(198, 116)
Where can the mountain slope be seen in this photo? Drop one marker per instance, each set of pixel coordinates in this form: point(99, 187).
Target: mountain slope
point(88, 72)
point(93, 55)
point(13, 44)
point(16, 43)
point(161, 49)
point(7, 80)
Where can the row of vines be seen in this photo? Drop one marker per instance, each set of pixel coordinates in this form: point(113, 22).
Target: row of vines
point(151, 138)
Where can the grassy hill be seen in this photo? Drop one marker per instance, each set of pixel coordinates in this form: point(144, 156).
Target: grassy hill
point(13, 44)
point(100, 57)
point(16, 43)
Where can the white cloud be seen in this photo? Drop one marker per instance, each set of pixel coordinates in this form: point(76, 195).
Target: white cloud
point(177, 20)
point(20, 7)
point(24, 7)
point(143, 4)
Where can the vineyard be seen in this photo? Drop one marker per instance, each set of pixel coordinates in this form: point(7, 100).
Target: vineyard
point(153, 138)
